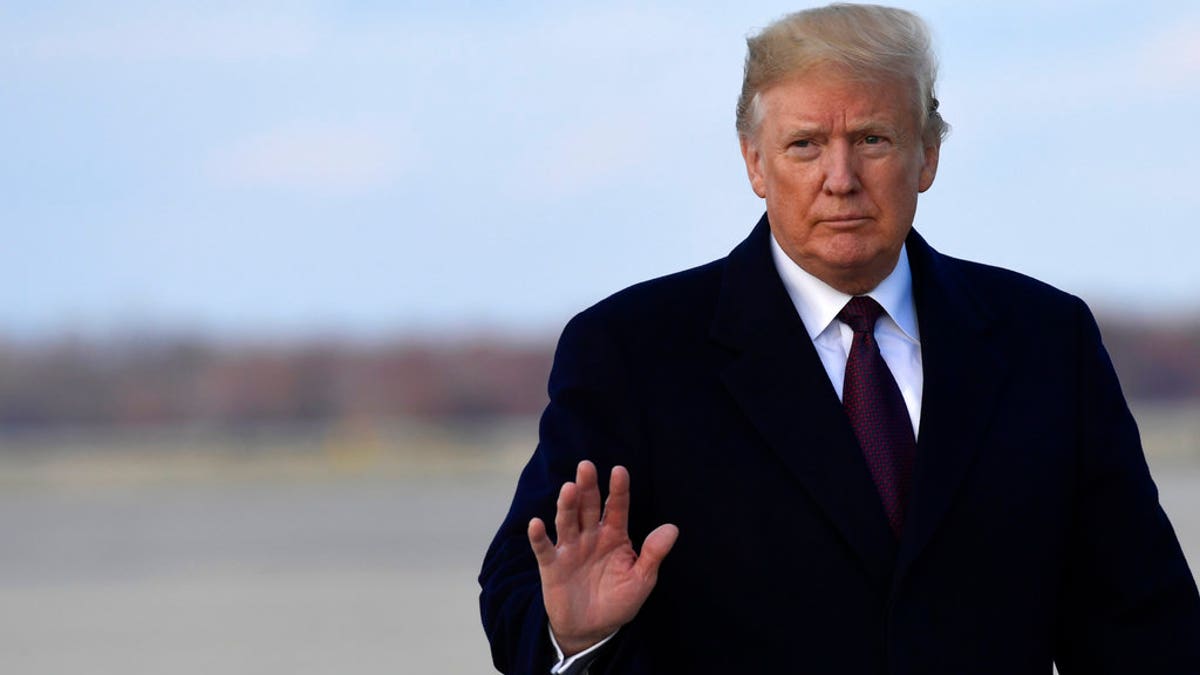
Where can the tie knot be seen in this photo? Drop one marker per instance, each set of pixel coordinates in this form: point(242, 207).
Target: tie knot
point(860, 314)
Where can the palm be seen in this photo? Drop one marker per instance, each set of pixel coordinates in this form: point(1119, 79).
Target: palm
point(593, 582)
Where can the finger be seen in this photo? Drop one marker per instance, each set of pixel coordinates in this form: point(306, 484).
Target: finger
point(616, 507)
point(656, 547)
point(589, 496)
point(543, 548)
point(566, 520)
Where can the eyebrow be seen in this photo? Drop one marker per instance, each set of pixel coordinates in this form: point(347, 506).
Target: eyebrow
point(873, 126)
point(804, 131)
point(863, 127)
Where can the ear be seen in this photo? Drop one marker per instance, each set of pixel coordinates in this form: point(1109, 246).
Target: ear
point(929, 166)
point(754, 169)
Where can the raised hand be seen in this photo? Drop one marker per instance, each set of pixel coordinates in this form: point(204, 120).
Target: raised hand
point(592, 580)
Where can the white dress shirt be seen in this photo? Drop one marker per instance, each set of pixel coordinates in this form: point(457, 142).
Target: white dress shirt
point(896, 332)
point(818, 304)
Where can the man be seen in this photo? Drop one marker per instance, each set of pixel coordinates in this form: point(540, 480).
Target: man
point(842, 451)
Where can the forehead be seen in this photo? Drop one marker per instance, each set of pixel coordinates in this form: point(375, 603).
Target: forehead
point(829, 95)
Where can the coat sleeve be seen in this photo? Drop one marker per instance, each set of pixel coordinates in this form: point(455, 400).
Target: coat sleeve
point(1130, 603)
point(591, 415)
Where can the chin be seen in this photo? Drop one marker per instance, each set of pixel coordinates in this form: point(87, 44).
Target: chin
point(850, 253)
point(857, 269)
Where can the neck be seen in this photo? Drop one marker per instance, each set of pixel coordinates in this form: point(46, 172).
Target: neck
point(851, 282)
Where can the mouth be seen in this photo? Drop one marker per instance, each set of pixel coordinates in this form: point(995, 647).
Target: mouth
point(846, 221)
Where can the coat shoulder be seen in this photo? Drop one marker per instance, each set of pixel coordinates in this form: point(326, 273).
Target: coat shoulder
point(1012, 294)
point(659, 306)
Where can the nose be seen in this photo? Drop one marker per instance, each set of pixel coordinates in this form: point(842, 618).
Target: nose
point(841, 170)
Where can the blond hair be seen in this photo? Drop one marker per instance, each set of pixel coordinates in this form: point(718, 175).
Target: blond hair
point(869, 41)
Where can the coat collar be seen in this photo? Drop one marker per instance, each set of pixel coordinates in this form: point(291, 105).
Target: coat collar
point(965, 368)
point(781, 386)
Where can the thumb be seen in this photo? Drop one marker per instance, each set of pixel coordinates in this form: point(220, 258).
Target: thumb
point(656, 547)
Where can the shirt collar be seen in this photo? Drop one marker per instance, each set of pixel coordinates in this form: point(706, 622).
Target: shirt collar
point(818, 303)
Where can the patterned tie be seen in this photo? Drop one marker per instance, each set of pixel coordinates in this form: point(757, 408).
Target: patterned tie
point(877, 411)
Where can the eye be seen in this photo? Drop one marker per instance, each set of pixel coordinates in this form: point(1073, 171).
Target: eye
point(872, 140)
point(803, 149)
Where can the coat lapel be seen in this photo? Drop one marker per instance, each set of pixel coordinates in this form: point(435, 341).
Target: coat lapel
point(781, 386)
point(964, 370)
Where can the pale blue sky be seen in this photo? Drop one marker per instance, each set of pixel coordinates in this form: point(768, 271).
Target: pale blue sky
point(378, 167)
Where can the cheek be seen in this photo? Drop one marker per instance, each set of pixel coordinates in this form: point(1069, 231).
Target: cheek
point(790, 208)
point(789, 222)
point(792, 185)
point(900, 186)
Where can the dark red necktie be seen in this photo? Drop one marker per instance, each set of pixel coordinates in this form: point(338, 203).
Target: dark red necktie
point(877, 411)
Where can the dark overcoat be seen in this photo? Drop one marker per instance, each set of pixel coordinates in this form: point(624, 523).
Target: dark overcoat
point(1034, 533)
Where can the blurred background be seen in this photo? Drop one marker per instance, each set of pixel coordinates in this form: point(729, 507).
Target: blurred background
point(280, 282)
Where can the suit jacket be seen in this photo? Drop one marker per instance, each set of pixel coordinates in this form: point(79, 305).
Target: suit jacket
point(1034, 532)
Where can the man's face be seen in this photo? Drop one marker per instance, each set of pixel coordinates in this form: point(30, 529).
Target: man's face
point(840, 162)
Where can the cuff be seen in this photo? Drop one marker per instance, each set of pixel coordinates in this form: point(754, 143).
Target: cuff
point(584, 657)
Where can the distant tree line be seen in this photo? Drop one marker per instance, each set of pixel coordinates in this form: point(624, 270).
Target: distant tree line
point(143, 381)
point(73, 382)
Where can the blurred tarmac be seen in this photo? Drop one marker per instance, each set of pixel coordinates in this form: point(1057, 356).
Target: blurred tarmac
point(292, 556)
